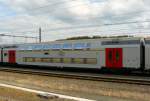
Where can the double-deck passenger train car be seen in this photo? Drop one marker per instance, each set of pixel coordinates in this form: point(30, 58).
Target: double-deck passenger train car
point(89, 53)
point(113, 53)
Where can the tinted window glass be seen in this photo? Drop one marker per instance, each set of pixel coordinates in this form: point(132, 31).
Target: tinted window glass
point(117, 56)
point(121, 42)
point(147, 41)
point(56, 46)
point(47, 47)
point(37, 47)
point(110, 55)
point(79, 46)
point(88, 45)
point(67, 46)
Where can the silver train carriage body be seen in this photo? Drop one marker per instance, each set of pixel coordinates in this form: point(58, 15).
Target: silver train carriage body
point(89, 53)
point(147, 54)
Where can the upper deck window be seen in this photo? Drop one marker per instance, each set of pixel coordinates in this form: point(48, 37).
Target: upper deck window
point(56, 46)
point(67, 46)
point(45, 46)
point(126, 42)
point(37, 47)
point(147, 41)
point(28, 48)
point(79, 46)
point(88, 45)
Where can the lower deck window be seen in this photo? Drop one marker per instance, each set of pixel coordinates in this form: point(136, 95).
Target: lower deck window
point(28, 59)
point(47, 60)
point(91, 61)
point(56, 60)
point(38, 59)
point(78, 61)
point(62, 60)
point(67, 60)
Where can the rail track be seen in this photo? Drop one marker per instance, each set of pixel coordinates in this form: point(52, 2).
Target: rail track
point(84, 76)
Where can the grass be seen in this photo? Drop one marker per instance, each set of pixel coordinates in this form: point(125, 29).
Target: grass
point(76, 87)
point(9, 94)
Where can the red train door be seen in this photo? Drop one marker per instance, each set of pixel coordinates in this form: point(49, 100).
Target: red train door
point(109, 57)
point(118, 58)
point(114, 58)
point(12, 56)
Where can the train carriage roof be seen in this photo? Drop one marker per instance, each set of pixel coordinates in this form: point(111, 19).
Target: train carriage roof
point(103, 41)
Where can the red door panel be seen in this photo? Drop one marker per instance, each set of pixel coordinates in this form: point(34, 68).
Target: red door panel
point(12, 56)
point(109, 57)
point(118, 58)
point(114, 58)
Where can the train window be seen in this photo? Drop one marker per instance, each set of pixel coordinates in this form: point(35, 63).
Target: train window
point(117, 56)
point(147, 41)
point(66, 60)
point(24, 59)
point(46, 60)
point(120, 42)
point(56, 46)
point(67, 46)
point(88, 45)
point(38, 47)
point(78, 61)
point(50, 46)
point(51, 60)
point(13, 54)
point(46, 53)
point(45, 47)
point(85, 61)
point(5, 54)
point(91, 61)
point(29, 48)
point(38, 59)
point(110, 55)
point(28, 59)
point(61, 60)
point(56, 60)
point(72, 60)
point(79, 46)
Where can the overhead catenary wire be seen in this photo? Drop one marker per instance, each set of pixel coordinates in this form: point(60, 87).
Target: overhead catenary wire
point(8, 34)
point(39, 8)
point(61, 23)
point(88, 26)
point(98, 25)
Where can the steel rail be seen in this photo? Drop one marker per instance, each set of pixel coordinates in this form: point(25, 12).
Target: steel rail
point(104, 78)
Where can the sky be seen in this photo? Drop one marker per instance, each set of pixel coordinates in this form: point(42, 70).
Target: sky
point(60, 19)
